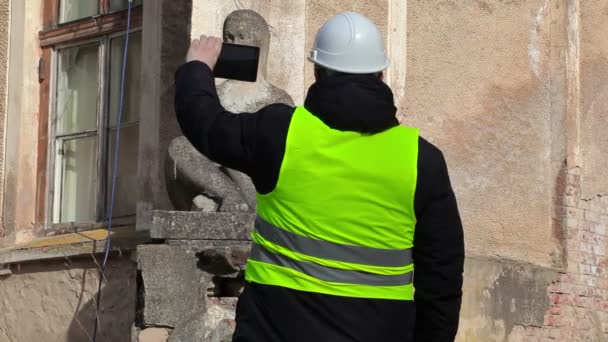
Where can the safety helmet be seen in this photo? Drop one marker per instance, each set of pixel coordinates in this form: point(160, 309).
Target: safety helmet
point(350, 43)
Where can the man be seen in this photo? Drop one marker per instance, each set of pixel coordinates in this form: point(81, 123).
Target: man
point(349, 201)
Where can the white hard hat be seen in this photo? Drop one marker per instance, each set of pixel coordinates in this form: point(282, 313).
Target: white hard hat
point(350, 43)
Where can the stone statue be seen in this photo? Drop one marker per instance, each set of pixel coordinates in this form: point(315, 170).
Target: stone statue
point(193, 181)
point(247, 27)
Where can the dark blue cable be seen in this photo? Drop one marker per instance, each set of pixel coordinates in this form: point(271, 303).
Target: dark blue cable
point(115, 169)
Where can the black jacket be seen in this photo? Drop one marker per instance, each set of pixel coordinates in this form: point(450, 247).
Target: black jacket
point(254, 143)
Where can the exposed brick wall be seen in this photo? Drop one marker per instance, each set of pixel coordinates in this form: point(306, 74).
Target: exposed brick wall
point(579, 298)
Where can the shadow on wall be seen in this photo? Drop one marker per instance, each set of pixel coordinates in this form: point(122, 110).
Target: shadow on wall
point(54, 300)
point(118, 299)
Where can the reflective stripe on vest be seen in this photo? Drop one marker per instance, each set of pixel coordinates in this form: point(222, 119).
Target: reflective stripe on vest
point(329, 274)
point(333, 251)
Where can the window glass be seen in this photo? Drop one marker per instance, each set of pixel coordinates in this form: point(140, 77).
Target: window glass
point(126, 179)
point(70, 10)
point(132, 80)
point(75, 177)
point(125, 195)
point(117, 5)
point(77, 89)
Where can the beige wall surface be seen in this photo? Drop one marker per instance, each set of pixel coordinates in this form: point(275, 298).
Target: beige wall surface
point(22, 119)
point(594, 97)
point(54, 301)
point(478, 87)
point(4, 46)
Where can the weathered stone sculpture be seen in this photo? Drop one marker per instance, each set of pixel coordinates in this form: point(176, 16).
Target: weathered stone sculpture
point(196, 183)
point(204, 254)
point(247, 27)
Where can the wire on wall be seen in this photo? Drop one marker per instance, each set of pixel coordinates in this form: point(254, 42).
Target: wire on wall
point(108, 246)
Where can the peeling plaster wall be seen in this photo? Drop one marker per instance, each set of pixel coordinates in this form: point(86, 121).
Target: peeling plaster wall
point(501, 298)
point(22, 120)
point(478, 87)
point(54, 301)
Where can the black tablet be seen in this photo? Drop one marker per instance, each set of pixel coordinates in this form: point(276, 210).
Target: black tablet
point(238, 62)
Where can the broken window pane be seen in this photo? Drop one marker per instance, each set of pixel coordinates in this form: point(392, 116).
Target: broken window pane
point(70, 10)
point(75, 175)
point(125, 196)
point(118, 5)
point(132, 81)
point(77, 89)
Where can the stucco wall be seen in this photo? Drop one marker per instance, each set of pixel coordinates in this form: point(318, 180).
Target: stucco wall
point(478, 87)
point(594, 97)
point(4, 38)
point(22, 120)
point(54, 301)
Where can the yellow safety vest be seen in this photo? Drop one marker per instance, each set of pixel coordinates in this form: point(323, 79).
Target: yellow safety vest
point(341, 219)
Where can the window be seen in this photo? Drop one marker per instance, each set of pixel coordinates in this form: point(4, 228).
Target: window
point(84, 93)
point(71, 10)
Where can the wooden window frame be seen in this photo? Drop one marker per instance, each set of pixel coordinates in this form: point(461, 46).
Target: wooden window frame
point(106, 23)
point(53, 36)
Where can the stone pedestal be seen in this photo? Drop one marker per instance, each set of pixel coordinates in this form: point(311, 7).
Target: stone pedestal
point(191, 279)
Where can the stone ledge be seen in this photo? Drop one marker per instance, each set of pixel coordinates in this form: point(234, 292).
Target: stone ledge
point(74, 244)
point(193, 225)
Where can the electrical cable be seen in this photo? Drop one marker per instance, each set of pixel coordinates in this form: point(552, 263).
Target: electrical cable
point(114, 173)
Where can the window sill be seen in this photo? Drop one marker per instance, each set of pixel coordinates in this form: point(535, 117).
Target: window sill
point(67, 228)
point(73, 244)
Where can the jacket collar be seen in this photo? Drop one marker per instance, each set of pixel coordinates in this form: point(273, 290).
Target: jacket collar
point(359, 103)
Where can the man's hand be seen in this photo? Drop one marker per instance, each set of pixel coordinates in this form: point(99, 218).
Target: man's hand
point(206, 50)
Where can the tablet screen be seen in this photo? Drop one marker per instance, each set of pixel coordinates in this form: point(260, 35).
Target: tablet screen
point(238, 62)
